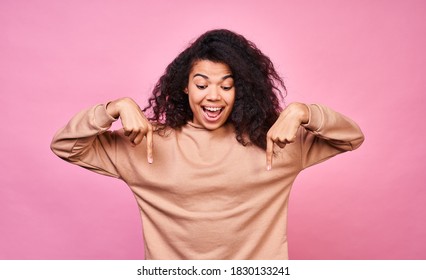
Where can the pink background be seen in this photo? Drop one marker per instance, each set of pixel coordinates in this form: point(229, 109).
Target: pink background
point(363, 58)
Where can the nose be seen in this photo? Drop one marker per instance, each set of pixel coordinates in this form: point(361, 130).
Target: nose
point(213, 94)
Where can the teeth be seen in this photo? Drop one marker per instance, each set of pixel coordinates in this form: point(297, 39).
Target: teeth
point(213, 109)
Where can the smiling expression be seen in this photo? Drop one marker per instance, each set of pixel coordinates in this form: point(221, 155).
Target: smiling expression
point(211, 93)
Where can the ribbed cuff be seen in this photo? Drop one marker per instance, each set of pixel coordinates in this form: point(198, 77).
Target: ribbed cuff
point(102, 118)
point(316, 118)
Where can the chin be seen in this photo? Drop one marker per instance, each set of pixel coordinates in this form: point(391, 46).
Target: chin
point(211, 126)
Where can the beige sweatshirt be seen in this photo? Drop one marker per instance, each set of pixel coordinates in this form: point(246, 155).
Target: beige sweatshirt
point(206, 196)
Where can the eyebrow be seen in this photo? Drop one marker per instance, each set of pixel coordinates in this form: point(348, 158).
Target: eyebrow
point(207, 78)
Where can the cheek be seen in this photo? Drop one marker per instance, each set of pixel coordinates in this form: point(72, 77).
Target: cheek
point(230, 98)
point(194, 98)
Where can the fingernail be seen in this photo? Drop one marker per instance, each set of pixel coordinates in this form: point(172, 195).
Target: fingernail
point(268, 168)
point(150, 160)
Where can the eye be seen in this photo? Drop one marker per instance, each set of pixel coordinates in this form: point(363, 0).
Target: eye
point(225, 88)
point(201, 86)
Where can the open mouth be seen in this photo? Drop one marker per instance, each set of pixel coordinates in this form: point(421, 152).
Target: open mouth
point(212, 113)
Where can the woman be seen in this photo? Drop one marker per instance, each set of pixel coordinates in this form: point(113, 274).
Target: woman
point(212, 159)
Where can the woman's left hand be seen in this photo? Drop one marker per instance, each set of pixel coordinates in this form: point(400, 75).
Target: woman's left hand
point(284, 130)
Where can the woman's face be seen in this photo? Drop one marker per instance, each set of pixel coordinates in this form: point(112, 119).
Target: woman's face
point(211, 93)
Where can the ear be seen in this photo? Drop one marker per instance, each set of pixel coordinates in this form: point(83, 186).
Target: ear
point(186, 90)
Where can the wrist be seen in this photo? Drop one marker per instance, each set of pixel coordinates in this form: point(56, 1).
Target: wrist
point(301, 110)
point(304, 114)
point(112, 110)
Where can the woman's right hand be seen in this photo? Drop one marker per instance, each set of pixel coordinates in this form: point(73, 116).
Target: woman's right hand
point(135, 125)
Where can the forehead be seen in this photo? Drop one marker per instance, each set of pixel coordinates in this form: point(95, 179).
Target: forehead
point(210, 68)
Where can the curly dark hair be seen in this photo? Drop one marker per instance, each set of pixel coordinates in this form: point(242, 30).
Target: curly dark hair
point(257, 86)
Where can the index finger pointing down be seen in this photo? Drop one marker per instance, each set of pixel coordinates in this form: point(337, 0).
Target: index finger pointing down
point(269, 153)
point(149, 146)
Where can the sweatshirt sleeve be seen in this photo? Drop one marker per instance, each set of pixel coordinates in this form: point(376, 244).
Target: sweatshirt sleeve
point(327, 134)
point(86, 141)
